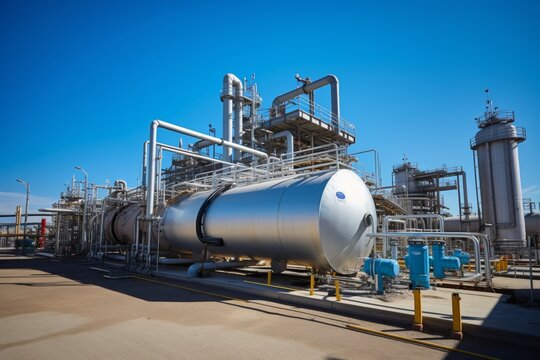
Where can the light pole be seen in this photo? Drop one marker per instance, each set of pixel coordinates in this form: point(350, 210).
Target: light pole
point(83, 240)
point(27, 186)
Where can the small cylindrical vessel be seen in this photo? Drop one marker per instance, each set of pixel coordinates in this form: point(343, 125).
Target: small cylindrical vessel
point(418, 263)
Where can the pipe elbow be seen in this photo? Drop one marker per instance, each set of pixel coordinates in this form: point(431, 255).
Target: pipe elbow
point(285, 133)
point(122, 184)
point(332, 79)
point(231, 81)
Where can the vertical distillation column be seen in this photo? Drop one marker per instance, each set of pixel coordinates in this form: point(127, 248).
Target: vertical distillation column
point(496, 145)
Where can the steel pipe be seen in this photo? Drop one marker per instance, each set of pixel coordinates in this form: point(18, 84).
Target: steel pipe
point(233, 90)
point(290, 142)
point(389, 218)
point(195, 269)
point(331, 80)
point(470, 236)
point(152, 161)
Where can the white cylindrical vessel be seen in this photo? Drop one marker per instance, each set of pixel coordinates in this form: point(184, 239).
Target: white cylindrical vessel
point(318, 220)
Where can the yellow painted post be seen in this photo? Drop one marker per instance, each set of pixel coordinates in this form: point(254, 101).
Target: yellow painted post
point(504, 264)
point(269, 279)
point(338, 295)
point(311, 285)
point(417, 324)
point(457, 329)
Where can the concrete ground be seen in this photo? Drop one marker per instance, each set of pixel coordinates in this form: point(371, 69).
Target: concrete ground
point(53, 310)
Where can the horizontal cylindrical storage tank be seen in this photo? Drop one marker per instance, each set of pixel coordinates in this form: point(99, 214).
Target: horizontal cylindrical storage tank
point(125, 223)
point(108, 222)
point(120, 223)
point(319, 220)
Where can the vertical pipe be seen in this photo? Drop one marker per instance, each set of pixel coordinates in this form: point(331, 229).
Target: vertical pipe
point(238, 120)
point(103, 207)
point(157, 248)
point(83, 245)
point(438, 195)
point(530, 268)
point(144, 163)
point(151, 184)
point(159, 159)
point(459, 203)
point(311, 95)
point(43, 228)
point(476, 190)
point(466, 209)
point(227, 127)
point(311, 284)
point(57, 243)
point(137, 236)
point(334, 95)
point(26, 212)
point(232, 90)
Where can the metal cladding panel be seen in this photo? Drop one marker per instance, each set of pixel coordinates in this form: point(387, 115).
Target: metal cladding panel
point(314, 220)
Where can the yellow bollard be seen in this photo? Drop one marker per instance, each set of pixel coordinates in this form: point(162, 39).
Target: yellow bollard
point(417, 324)
point(504, 264)
point(457, 329)
point(269, 279)
point(338, 295)
point(311, 285)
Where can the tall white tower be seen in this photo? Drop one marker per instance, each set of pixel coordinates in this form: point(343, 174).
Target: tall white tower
point(496, 146)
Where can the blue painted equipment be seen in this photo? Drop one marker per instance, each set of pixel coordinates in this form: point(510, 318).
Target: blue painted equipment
point(381, 267)
point(464, 257)
point(406, 259)
point(418, 263)
point(442, 262)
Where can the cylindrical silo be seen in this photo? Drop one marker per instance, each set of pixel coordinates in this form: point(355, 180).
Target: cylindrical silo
point(496, 145)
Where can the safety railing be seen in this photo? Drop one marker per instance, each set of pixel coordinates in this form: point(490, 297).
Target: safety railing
point(494, 117)
point(324, 157)
point(318, 111)
point(510, 133)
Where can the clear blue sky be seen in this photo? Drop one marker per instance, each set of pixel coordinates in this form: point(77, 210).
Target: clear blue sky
point(81, 80)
